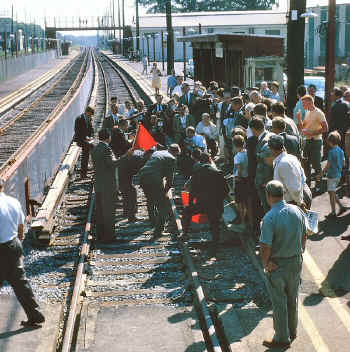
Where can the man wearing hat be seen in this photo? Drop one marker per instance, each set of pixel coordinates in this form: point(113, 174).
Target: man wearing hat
point(160, 166)
point(11, 256)
point(288, 170)
point(282, 241)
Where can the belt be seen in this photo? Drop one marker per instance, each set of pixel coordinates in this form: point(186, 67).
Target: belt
point(294, 256)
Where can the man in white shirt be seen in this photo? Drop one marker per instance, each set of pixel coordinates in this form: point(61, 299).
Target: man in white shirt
point(11, 256)
point(178, 88)
point(288, 170)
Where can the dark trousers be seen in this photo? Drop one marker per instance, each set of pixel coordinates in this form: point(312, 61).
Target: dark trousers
point(85, 153)
point(213, 215)
point(128, 192)
point(12, 270)
point(158, 204)
point(105, 215)
point(212, 147)
point(312, 152)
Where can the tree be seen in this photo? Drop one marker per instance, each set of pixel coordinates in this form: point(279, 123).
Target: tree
point(158, 6)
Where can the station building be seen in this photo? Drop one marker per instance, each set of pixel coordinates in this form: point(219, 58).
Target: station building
point(269, 22)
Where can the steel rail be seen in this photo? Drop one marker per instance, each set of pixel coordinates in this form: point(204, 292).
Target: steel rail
point(21, 152)
point(34, 103)
point(198, 289)
point(78, 283)
point(10, 101)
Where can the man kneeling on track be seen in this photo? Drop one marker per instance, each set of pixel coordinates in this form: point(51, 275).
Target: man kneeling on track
point(209, 199)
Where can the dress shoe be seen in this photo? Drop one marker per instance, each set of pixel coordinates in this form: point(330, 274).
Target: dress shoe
point(346, 238)
point(35, 321)
point(342, 211)
point(276, 344)
point(292, 337)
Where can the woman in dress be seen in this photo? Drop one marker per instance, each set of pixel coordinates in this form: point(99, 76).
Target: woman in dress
point(156, 74)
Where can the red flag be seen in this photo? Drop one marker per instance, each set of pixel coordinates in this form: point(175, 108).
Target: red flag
point(143, 139)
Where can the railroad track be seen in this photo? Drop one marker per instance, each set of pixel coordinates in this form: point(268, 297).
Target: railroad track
point(22, 124)
point(134, 271)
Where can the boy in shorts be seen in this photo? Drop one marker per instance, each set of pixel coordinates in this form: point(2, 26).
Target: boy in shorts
point(335, 164)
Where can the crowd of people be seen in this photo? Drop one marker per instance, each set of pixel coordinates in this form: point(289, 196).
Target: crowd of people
point(275, 161)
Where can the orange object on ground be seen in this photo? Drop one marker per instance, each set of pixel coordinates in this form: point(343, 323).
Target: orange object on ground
point(198, 218)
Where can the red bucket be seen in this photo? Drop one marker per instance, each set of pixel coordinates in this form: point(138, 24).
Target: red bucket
point(198, 218)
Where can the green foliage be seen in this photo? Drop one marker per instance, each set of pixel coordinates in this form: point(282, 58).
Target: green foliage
point(158, 6)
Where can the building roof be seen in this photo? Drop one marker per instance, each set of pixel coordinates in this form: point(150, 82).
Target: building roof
point(214, 19)
point(251, 45)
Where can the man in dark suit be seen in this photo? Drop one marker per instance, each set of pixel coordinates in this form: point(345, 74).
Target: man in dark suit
point(112, 119)
point(83, 132)
point(291, 143)
point(162, 165)
point(339, 120)
point(161, 111)
point(119, 141)
point(209, 199)
point(105, 165)
point(187, 97)
point(318, 101)
point(130, 166)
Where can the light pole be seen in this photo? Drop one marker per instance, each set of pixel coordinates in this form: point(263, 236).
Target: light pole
point(170, 38)
point(184, 50)
point(295, 50)
point(162, 48)
point(137, 27)
point(330, 54)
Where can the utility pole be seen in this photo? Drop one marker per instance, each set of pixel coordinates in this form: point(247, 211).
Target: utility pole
point(170, 38)
point(295, 50)
point(184, 50)
point(11, 36)
point(123, 18)
point(113, 22)
point(137, 27)
point(162, 47)
point(330, 54)
point(120, 31)
point(154, 46)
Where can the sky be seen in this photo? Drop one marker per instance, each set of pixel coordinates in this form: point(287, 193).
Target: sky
point(30, 9)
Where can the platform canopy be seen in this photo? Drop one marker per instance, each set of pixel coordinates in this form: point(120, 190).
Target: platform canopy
point(221, 56)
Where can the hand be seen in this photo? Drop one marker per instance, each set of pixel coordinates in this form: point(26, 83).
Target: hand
point(299, 115)
point(21, 236)
point(303, 207)
point(271, 267)
point(130, 151)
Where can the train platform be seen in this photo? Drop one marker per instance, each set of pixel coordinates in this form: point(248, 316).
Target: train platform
point(137, 68)
point(150, 328)
point(12, 85)
point(14, 337)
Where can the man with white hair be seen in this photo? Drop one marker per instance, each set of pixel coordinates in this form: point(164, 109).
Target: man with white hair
point(282, 240)
point(265, 91)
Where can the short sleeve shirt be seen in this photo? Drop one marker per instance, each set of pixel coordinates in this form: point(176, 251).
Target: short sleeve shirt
point(241, 158)
point(313, 121)
point(336, 160)
point(11, 215)
point(283, 228)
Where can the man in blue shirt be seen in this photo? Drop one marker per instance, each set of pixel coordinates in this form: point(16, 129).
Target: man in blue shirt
point(282, 240)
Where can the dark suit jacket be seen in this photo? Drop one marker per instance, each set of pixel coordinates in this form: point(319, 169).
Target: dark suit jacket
point(109, 122)
point(292, 144)
point(319, 102)
point(209, 197)
point(82, 129)
point(190, 103)
point(339, 117)
point(105, 164)
point(153, 109)
point(119, 144)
